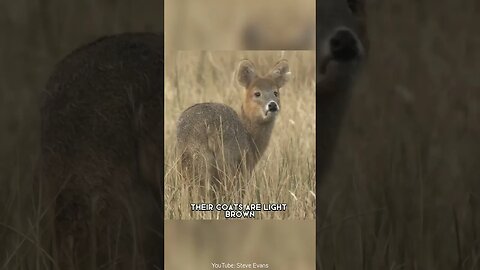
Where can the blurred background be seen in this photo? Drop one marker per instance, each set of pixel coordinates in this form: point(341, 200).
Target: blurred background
point(240, 24)
point(283, 245)
point(35, 35)
point(404, 191)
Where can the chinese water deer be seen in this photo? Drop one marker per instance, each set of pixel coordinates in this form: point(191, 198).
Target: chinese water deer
point(218, 144)
point(100, 170)
point(342, 45)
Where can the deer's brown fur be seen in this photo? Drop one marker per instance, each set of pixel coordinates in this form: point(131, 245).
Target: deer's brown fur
point(214, 139)
point(336, 72)
point(100, 170)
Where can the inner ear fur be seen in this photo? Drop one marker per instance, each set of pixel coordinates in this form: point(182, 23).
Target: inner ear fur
point(280, 73)
point(246, 72)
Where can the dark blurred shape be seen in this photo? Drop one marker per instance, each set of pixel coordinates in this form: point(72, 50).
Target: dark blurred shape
point(100, 163)
point(344, 46)
point(403, 189)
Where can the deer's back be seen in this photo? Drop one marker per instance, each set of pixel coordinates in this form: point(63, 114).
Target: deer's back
point(100, 145)
point(213, 129)
point(100, 101)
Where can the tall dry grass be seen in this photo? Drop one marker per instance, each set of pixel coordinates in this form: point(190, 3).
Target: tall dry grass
point(286, 172)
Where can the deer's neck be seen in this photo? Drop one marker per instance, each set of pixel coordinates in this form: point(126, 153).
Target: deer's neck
point(332, 103)
point(259, 132)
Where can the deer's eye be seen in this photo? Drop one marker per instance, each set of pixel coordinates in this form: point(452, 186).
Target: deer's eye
point(257, 94)
point(275, 93)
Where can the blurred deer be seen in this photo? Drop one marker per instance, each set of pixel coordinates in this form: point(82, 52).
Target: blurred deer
point(100, 169)
point(342, 45)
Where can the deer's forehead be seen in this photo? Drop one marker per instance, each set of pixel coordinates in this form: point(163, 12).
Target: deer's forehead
point(263, 84)
point(334, 13)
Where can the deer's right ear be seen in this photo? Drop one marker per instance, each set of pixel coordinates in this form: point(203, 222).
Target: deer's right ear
point(280, 73)
point(246, 73)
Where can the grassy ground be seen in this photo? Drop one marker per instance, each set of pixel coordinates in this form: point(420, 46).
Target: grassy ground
point(286, 173)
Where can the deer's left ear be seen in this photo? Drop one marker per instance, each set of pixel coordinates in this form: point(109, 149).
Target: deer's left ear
point(280, 73)
point(246, 73)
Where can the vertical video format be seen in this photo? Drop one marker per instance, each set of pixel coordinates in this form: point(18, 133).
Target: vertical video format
point(239, 112)
point(240, 131)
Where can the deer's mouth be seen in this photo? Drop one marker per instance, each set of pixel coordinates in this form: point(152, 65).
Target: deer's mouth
point(333, 68)
point(324, 64)
point(271, 109)
point(269, 115)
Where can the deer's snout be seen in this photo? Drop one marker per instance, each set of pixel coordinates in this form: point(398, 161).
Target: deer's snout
point(272, 106)
point(344, 45)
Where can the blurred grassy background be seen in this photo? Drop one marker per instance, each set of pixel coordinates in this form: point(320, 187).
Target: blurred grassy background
point(35, 35)
point(404, 192)
point(244, 241)
point(286, 172)
point(221, 25)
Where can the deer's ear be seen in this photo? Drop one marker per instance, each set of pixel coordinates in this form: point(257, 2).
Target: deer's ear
point(246, 73)
point(280, 73)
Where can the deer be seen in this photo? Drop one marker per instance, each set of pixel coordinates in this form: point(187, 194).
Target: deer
point(342, 47)
point(219, 145)
point(100, 171)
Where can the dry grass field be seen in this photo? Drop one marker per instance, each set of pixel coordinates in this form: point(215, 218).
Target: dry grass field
point(286, 173)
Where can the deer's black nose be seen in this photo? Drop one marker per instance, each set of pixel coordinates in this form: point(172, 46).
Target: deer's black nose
point(343, 46)
point(272, 106)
